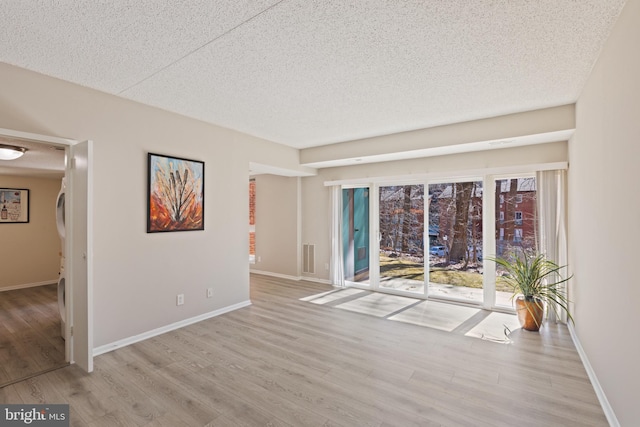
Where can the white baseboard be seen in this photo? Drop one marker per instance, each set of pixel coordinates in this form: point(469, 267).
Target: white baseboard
point(28, 285)
point(606, 407)
point(316, 280)
point(168, 328)
point(296, 278)
point(278, 275)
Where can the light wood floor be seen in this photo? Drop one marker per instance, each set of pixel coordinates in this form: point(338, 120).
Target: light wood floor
point(286, 362)
point(30, 340)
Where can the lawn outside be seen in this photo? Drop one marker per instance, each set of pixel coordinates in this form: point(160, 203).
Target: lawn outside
point(412, 268)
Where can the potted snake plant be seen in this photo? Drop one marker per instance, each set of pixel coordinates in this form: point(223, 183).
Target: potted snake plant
point(535, 282)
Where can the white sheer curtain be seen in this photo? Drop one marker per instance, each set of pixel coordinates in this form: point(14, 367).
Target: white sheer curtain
point(337, 270)
point(552, 233)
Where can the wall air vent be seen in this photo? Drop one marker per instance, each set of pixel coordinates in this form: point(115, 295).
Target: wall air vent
point(308, 258)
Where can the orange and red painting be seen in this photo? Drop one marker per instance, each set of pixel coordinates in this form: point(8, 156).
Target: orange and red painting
point(176, 194)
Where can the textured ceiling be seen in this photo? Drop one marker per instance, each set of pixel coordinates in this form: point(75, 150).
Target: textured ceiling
point(307, 73)
point(43, 160)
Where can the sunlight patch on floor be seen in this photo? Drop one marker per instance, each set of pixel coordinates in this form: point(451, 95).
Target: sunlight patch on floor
point(459, 319)
point(495, 327)
point(327, 297)
point(377, 304)
point(436, 315)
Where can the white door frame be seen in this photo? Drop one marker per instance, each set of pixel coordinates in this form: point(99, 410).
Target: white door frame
point(70, 282)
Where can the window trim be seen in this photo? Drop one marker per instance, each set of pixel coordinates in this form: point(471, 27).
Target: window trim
point(516, 220)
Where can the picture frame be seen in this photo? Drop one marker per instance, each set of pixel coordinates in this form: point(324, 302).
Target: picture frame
point(175, 194)
point(14, 205)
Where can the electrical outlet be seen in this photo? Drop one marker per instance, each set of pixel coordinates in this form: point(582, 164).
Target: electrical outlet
point(180, 299)
point(210, 293)
point(259, 258)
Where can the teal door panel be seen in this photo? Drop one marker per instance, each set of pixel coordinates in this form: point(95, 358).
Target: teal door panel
point(361, 229)
point(355, 232)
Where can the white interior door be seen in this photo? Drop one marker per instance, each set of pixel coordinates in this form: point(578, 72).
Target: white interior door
point(79, 293)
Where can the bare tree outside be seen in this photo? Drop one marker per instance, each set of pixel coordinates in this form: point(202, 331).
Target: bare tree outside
point(455, 255)
point(516, 216)
point(402, 242)
point(516, 224)
point(452, 241)
point(459, 244)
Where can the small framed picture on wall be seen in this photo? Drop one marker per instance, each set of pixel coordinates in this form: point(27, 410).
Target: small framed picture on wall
point(14, 205)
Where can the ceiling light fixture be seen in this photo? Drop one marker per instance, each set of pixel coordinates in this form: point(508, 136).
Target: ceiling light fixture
point(11, 152)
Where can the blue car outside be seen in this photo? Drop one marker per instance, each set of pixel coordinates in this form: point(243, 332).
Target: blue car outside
point(438, 250)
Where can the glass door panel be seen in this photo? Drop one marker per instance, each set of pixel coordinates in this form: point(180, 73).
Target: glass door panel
point(516, 225)
point(355, 235)
point(455, 241)
point(401, 220)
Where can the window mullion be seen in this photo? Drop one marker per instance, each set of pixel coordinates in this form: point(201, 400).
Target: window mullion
point(489, 241)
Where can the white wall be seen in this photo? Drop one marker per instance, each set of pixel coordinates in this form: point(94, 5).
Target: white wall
point(604, 217)
point(316, 206)
point(30, 252)
point(277, 225)
point(138, 275)
point(546, 123)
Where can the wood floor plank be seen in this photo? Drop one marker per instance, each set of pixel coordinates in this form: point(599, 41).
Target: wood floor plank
point(241, 394)
point(115, 418)
point(9, 394)
point(177, 399)
point(30, 340)
point(287, 362)
point(131, 401)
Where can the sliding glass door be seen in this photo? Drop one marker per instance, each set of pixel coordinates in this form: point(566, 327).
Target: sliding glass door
point(430, 238)
point(456, 241)
point(401, 238)
point(388, 230)
point(390, 233)
point(516, 222)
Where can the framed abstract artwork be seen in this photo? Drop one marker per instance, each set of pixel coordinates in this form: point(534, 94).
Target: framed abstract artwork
point(14, 205)
point(175, 199)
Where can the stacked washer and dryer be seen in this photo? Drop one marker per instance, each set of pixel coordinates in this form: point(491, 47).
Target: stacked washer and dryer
point(60, 222)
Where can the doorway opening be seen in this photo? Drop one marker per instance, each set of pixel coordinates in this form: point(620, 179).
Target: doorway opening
point(36, 303)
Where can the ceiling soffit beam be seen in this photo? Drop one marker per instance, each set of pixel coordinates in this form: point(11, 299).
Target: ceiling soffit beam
point(531, 127)
point(262, 169)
